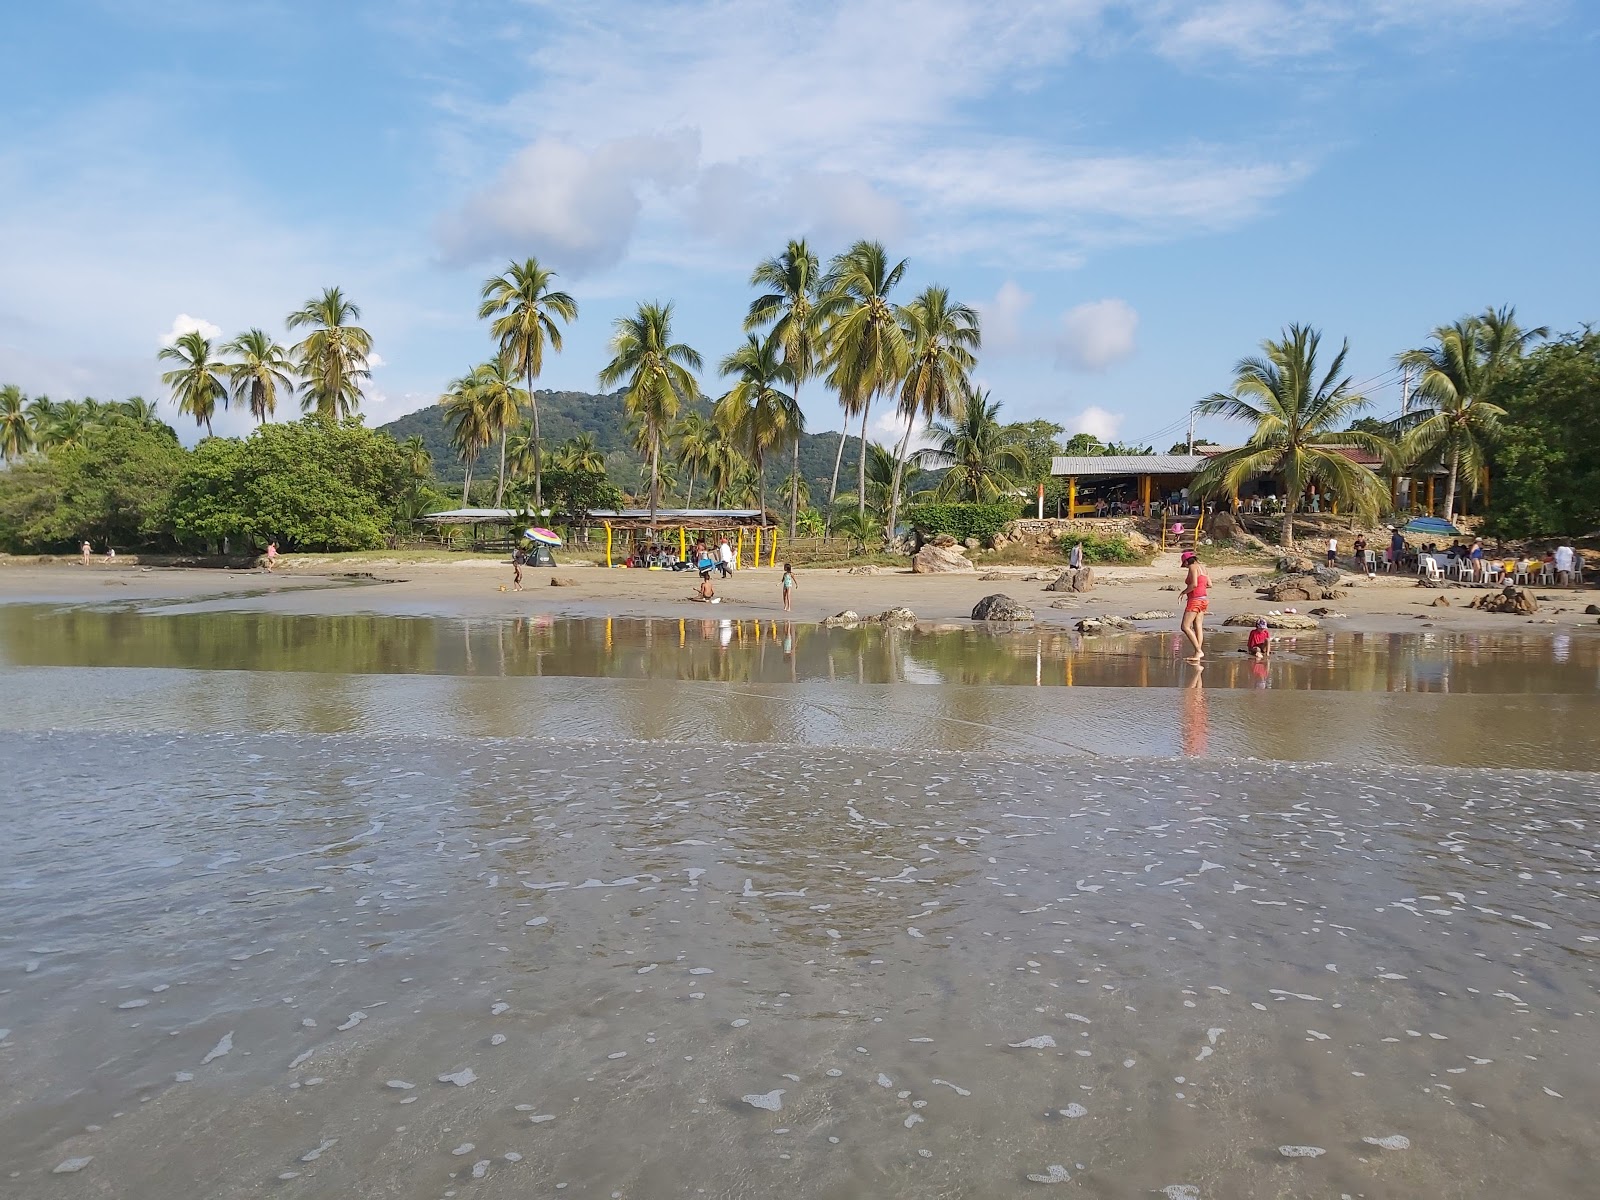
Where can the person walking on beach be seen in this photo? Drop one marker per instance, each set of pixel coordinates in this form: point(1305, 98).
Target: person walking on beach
point(1075, 557)
point(725, 558)
point(788, 588)
point(517, 558)
point(1333, 551)
point(1565, 562)
point(272, 556)
point(1196, 589)
point(87, 550)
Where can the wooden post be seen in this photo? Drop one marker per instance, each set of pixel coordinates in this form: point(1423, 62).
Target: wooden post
point(1486, 489)
point(758, 546)
point(1144, 493)
point(772, 550)
point(738, 550)
point(1430, 495)
point(1072, 496)
point(683, 543)
point(608, 543)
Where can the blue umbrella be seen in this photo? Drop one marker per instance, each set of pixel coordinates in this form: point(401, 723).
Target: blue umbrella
point(1437, 526)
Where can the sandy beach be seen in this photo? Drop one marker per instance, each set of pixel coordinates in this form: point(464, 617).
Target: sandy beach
point(482, 588)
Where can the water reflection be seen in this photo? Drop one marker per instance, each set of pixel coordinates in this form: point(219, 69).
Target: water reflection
point(731, 650)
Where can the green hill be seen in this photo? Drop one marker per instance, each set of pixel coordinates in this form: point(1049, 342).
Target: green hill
point(564, 415)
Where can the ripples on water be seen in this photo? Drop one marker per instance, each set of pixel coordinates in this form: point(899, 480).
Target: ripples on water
point(236, 965)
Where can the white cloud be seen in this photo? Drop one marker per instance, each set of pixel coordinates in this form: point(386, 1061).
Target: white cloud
point(575, 206)
point(1097, 335)
point(183, 323)
point(376, 360)
point(1097, 422)
point(1002, 318)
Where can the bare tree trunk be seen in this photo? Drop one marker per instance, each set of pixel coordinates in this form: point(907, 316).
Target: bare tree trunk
point(861, 463)
point(833, 489)
point(538, 466)
point(794, 489)
point(1450, 485)
point(500, 485)
point(899, 469)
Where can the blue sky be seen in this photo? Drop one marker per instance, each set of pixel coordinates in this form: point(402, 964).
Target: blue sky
point(1135, 192)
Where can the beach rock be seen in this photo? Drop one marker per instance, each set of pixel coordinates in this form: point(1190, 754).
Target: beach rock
point(895, 618)
point(1299, 587)
point(1510, 600)
point(1326, 612)
point(1442, 602)
point(1000, 607)
point(562, 581)
point(1102, 624)
point(1294, 564)
point(934, 559)
point(1273, 620)
point(842, 620)
point(992, 576)
point(943, 539)
point(1067, 602)
point(1592, 610)
point(1153, 614)
point(1070, 580)
point(972, 543)
point(864, 569)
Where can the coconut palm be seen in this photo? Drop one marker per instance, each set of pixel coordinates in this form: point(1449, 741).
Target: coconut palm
point(468, 425)
point(579, 453)
point(261, 369)
point(792, 307)
point(501, 401)
point(1456, 421)
point(332, 359)
point(985, 458)
point(1299, 412)
point(142, 412)
point(755, 411)
point(654, 371)
point(724, 463)
point(867, 351)
point(69, 422)
point(418, 461)
point(197, 382)
point(525, 311)
point(16, 427)
point(691, 439)
point(857, 527)
point(943, 339)
point(885, 474)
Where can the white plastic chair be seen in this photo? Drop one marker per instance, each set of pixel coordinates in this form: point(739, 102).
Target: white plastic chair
point(1547, 575)
point(1371, 562)
point(1524, 576)
point(1430, 571)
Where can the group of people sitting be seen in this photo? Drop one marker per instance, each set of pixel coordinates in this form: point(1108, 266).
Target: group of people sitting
point(651, 554)
point(1558, 566)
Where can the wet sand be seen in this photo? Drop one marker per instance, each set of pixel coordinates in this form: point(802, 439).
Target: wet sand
point(245, 965)
point(472, 588)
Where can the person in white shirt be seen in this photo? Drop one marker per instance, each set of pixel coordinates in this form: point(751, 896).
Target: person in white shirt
point(1333, 551)
point(725, 558)
point(1565, 557)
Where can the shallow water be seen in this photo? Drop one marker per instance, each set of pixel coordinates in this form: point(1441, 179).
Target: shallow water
point(940, 977)
point(297, 906)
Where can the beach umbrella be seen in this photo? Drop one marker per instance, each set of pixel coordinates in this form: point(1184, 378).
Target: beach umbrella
point(540, 534)
point(1437, 526)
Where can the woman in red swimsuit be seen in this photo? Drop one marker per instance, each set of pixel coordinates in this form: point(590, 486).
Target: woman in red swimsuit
point(1195, 588)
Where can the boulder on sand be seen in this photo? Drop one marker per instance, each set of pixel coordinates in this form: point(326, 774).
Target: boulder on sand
point(1000, 607)
point(842, 620)
point(562, 581)
point(934, 559)
point(1070, 580)
point(1510, 600)
point(1101, 624)
point(895, 618)
point(1274, 620)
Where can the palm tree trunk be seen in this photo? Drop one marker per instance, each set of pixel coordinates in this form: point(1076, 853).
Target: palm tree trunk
point(688, 498)
point(1450, 485)
point(500, 485)
point(861, 463)
point(761, 485)
point(655, 479)
point(538, 471)
point(833, 489)
point(899, 468)
point(794, 490)
point(466, 484)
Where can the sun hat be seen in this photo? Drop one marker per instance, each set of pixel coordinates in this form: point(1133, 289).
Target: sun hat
point(1261, 622)
point(1187, 557)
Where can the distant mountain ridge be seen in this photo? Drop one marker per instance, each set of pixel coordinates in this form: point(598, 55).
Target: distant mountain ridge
point(564, 415)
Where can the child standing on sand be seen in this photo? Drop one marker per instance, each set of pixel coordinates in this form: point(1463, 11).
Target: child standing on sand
point(788, 588)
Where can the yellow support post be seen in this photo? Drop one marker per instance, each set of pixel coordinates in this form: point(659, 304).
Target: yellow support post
point(608, 545)
point(1072, 496)
point(738, 550)
point(683, 543)
point(772, 554)
point(758, 546)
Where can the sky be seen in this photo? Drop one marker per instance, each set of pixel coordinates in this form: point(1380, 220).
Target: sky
point(1134, 193)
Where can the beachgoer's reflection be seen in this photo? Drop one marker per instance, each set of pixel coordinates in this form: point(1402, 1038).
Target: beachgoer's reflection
point(1259, 670)
point(1192, 714)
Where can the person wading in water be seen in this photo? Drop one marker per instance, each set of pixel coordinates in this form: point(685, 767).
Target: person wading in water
point(1196, 586)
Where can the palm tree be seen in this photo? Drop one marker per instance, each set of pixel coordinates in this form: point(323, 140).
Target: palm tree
point(857, 527)
point(16, 428)
point(655, 372)
point(888, 479)
point(197, 382)
point(262, 368)
point(1457, 422)
point(468, 423)
point(985, 458)
point(501, 401)
point(580, 453)
point(691, 440)
point(69, 422)
point(525, 312)
point(724, 462)
point(867, 351)
point(943, 339)
point(332, 360)
point(1299, 412)
point(791, 307)
point(142, 412)
point(755, 411)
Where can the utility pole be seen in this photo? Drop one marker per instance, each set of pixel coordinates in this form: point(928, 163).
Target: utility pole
point(1191, 431)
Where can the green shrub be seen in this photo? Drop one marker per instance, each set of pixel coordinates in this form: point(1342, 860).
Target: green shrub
point(961, 520)
point(1101, 548)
